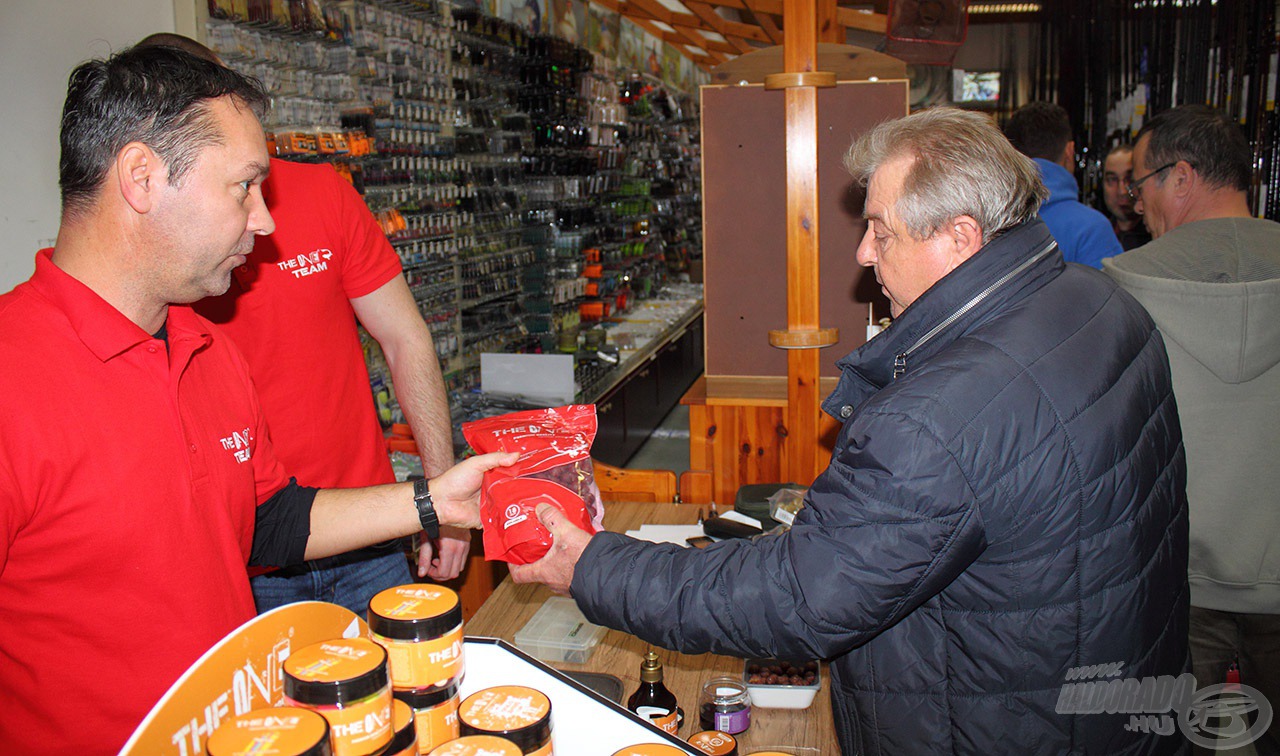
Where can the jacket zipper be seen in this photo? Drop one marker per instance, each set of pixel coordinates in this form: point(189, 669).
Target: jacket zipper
point(900, 362)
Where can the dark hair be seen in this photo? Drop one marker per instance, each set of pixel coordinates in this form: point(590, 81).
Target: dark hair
point(1039, 130)
point(156, 95)
point(1123, 148)
point(186, 44)
point(1202, 136)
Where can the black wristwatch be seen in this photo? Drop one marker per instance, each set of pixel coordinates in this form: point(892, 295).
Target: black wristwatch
point(426, 508)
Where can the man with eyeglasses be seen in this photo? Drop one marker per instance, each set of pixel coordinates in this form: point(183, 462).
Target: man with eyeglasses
point(1211, 281)
point(1117, 174)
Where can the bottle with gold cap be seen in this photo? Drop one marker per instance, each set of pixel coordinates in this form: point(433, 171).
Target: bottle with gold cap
point(652, 701)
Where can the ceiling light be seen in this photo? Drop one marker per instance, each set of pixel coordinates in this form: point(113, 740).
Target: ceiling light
point(980, 8)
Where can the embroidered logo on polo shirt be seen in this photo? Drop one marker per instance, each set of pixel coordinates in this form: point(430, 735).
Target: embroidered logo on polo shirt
point(238, 443)
point(307, 264)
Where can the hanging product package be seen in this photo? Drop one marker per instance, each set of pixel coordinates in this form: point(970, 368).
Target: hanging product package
point(554, 467)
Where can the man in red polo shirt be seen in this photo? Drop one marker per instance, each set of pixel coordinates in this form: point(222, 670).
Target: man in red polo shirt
point(292, 310)
point(137, 476)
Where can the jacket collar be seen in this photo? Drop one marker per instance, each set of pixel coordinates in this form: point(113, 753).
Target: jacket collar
point(103, 329)
point(1010, 266)
point(1059, 181)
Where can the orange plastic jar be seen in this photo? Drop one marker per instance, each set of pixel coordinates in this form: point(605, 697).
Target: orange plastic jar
point(515, 712)
point(436, 712)
point(715, 743)
point(420, 626)
point(477, 745)
point(650, 749)
point(404, 740)
point(346, 681)
point(285, 730)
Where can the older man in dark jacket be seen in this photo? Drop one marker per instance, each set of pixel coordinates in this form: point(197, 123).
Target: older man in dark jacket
point(1005, 506)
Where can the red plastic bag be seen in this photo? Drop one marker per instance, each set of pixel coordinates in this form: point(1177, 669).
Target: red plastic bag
point(554, 467)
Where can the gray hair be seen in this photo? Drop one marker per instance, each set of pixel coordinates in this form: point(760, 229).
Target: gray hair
point(963, 166)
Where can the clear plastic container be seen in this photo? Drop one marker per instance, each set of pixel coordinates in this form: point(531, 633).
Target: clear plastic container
point(558, 632)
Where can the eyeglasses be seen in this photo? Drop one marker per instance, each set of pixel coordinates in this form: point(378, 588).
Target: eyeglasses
point(1135, 187)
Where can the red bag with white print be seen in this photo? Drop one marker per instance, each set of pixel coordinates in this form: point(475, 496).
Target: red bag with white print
point(554, 467)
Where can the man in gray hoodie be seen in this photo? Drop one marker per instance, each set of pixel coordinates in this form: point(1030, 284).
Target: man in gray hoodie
point(1211, 281)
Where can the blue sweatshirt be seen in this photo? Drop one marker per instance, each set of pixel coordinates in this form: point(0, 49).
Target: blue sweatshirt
point(1084, 235)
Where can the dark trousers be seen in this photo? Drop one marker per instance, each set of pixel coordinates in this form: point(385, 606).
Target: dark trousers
point(1220, 639)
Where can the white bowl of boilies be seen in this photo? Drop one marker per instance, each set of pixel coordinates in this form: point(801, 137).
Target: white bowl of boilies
point(777, 684)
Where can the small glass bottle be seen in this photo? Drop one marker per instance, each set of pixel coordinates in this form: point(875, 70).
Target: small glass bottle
point(652, 701)
point(725, 706)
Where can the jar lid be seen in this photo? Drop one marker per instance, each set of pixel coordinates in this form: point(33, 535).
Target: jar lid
point(426, 698)
point(294, 730)
point(405, 725)
point(650, 749)
point(336, 672)
point(475, 745)
point(515, 712)
point(714, 742)
point(725, 690)
point(414, 612)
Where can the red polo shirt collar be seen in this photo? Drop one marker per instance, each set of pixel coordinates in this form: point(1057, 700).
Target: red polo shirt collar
point(104, 330)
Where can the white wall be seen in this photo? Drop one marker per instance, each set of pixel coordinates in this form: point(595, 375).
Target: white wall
point(40, 42)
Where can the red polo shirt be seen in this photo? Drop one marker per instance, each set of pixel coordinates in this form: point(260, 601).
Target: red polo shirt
point(289, 311)
point(129, 476)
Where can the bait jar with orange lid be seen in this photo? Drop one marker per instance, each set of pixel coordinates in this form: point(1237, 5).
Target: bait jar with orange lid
point(714, 742)
point(346, 681)
point(515, 712)
point(404, 740)
point(285, 730)
point(478, 745)
point(650, 749)
point(436, 712)
point(420, 626)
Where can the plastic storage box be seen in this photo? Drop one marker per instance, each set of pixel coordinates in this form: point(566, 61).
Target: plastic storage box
point(780, 696)
point(559, 633)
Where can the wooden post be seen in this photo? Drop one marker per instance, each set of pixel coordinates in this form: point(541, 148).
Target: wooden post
point(830, 28)
point(803, 337)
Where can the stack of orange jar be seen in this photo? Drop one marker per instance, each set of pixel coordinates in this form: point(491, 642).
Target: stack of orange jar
point(420, 626)
point(345, 681)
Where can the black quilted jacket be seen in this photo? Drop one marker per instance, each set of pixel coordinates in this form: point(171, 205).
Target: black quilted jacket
point(1005, 504)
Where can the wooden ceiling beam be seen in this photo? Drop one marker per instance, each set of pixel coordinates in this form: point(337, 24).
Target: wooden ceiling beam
point(694, 37)
point(747, 31)
point(877, 23)
point(654, 9)
point(717, 24)
point(673, 39)
point(765, 22)
point(776, 7)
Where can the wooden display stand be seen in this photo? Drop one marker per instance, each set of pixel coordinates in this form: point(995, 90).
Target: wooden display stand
point(738, 436)
point(772, 168)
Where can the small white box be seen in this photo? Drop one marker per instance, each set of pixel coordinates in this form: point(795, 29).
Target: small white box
point(780, 696)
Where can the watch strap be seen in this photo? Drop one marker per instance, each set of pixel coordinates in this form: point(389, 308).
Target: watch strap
point(427, 516)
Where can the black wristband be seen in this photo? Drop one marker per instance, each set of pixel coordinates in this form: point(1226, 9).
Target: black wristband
point(426, 508)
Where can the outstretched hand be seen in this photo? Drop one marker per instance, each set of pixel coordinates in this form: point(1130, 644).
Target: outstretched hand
point(456, 492)
point(555, 570)
point(447, 558)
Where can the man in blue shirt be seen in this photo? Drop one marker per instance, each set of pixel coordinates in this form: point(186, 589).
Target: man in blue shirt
point(1042, 132)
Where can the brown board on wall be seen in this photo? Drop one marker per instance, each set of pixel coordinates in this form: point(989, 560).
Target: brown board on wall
point(744, 186)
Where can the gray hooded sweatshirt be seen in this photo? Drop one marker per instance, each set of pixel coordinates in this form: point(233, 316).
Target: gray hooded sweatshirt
point(1213, 289)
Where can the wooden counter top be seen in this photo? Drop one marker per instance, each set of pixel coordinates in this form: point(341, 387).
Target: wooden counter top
point(798, 731)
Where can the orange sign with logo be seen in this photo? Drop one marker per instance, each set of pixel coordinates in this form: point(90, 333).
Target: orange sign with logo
point(239, 674)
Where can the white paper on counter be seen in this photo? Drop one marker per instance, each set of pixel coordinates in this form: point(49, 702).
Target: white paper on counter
point(666, 533)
